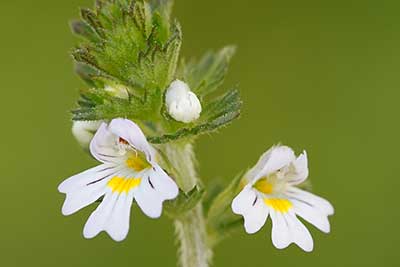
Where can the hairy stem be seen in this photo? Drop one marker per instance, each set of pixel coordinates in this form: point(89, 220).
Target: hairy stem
point(190, 228)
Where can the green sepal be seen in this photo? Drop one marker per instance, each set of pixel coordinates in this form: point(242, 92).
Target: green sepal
point(184, 202)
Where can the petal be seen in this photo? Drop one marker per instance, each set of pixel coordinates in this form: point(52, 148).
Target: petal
point(130, 132)
point(98, 219)
point(315, 201)
point(83, 197)
point(254, 172)
point(112, 216)
point(274, 159)
point(162, 183)
point(87, 177)
point(311, 215)
point(148, 199)
point(118, 224)
point(299, 233)
point(255, 217)
point(103, 145)
point(300, 169)
point(280, 230)
point(176, 91)
point(85, 188)
point(287, 229)
point(244, 200)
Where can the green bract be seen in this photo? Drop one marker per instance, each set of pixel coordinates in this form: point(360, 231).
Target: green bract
point(184, 202)
point(135, 45)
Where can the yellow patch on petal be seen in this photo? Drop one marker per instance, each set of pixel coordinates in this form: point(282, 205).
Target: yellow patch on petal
point(281, 205)
point(137, 162)
point(122, 184)
point(264, 186)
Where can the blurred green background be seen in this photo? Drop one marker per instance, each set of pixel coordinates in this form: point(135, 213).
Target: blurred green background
point(315, 75)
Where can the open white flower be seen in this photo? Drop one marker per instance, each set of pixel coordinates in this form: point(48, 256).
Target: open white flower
point(182, 104)
point(271, 190)
point(128, 171)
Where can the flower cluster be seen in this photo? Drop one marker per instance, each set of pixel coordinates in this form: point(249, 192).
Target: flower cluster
point(129, 171)
point(130, 59)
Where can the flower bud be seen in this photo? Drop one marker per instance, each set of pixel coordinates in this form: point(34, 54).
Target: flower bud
point(182, 104)
point(117, 91)
point(84, 131)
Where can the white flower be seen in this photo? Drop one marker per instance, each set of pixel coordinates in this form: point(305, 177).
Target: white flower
point(182, 104)
point(271, 190)
point(128, 171)
point(84, 131)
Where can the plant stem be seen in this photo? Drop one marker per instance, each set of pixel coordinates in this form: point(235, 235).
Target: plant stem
point(190, 228)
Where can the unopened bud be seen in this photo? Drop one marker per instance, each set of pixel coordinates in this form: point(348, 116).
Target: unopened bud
point(84, 131)
point(182, 104)
point(117, 91)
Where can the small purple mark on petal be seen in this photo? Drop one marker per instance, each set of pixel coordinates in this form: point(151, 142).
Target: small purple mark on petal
point(255, 201)
point(151, 184)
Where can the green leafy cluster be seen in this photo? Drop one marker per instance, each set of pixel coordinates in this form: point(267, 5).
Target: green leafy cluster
point(135, 45)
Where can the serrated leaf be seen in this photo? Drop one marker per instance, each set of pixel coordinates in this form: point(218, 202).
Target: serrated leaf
point(82, 29)
point(214, 188)
point(218, 113)
point(97, 104)
point(220, 219)
point(163, 6)
point(91, 19)
point(184, 202)
point(86, 73)
point(224, 199)
point(130, 43)
point(208, 74)
point(226, 226)
point(171, 51)
point(135, 45)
